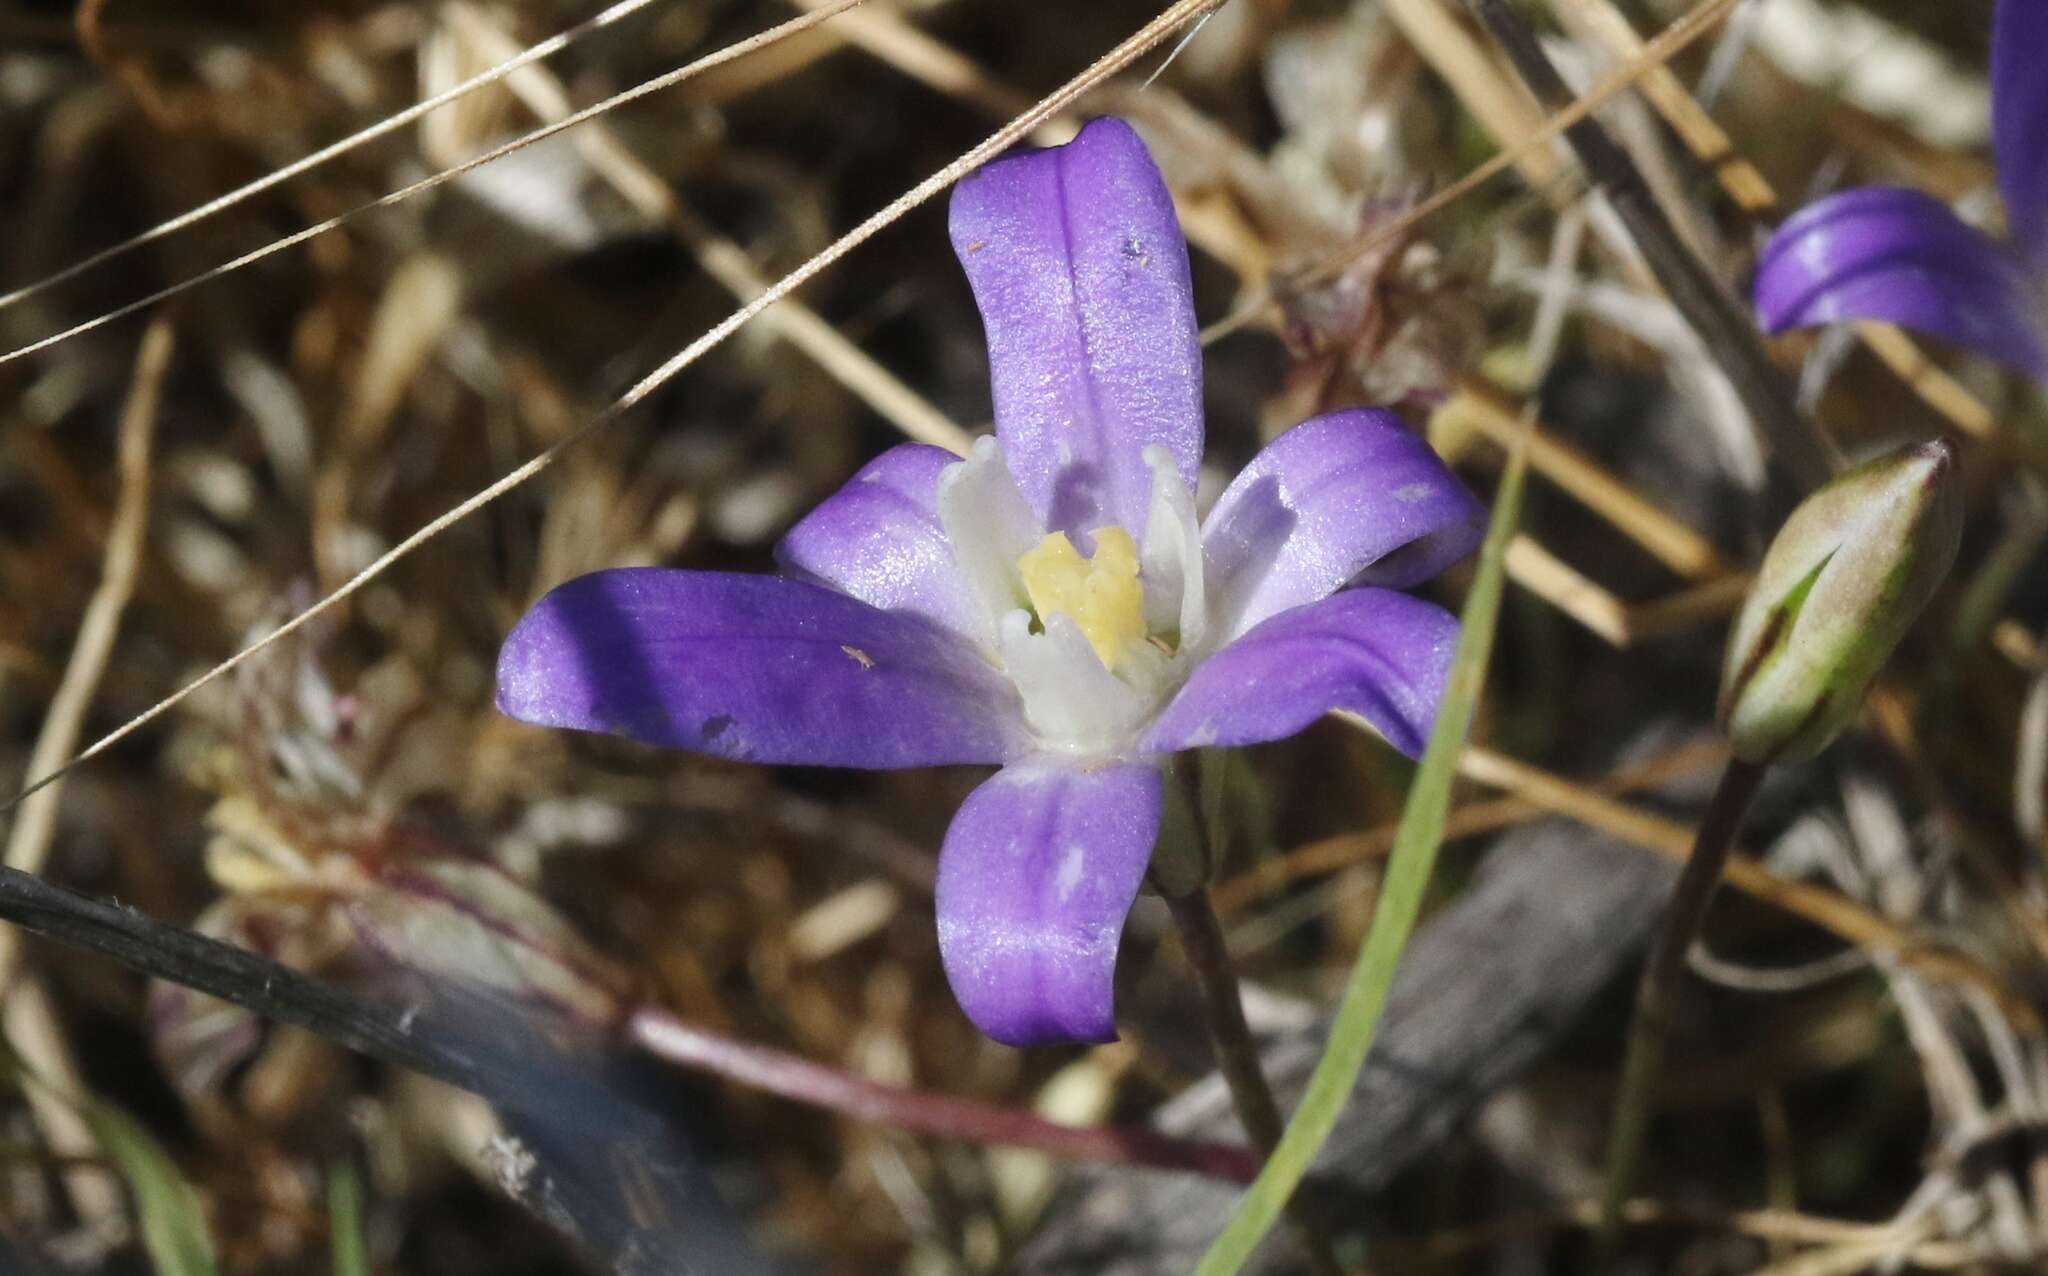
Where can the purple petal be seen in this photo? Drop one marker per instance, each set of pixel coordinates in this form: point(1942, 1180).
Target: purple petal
point(1900, 256)
point(878, 538)
point(2019, 120)
point(1038, 873)
point(1353, 496)
point(1081, 273)
point(757, 668)
point(1383, 655)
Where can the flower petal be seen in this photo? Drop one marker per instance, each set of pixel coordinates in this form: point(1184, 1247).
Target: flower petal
point(757, 668)
point(1081, 273)
point(988, 527)
point(2019, 120)
point(879, 539)
point(1383, 655)
point(1901, 256)
point(1353, 496)
point(1038, 872)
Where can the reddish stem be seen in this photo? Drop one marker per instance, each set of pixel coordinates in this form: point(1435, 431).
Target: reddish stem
point(821, 1085)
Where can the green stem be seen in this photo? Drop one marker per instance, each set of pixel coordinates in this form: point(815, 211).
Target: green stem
point(1201, 939)
point(1657, 995)
point(1401, 894)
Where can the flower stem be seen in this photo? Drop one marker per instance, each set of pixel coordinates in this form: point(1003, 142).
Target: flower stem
point(1201, 939)
point(1657, 995)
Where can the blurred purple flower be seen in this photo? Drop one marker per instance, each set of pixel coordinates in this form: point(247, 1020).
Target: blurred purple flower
point(939, 610)
point(1900, 256)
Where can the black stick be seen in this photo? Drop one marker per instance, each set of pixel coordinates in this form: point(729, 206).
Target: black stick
point(234, 975)
point(1729, 335)
point(1237, 1055)
point(580, 1112)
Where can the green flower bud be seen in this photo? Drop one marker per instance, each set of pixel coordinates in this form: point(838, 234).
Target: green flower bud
point(1846, 575)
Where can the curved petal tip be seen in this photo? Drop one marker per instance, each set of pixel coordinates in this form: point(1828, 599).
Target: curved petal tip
point(1901, 256)
point(1039, 871)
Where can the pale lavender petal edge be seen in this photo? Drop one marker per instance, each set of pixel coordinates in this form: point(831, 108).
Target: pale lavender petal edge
point(1038, 872)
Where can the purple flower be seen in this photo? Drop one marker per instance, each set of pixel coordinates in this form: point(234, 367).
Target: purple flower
point(1900, 256)
point(1050, 603)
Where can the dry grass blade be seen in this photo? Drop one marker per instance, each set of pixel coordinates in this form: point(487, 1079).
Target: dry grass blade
point(1616, 622)
point(1132, 48)
point(1331, 854)
point(1683, 550)
point(1752, 193)
point(1548, 576)
point(667, 80)
point(1673, 40)
point(1487, 88)
point(888, 37)
point(1717, 320)
point(1711, 600)
point(1774, 1225)
point(278, 176)
point(31, 1024)
point(28, 842)
point(723, 259)
point(1828, 909)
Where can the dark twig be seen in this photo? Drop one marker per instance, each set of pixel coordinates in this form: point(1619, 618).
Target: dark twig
point(1658, 991)
point(1237, 1055)
point(1807, 454)
point(579, 1112)
point(463, 1054)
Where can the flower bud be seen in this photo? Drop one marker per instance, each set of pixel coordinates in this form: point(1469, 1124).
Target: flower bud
point(1848, 572)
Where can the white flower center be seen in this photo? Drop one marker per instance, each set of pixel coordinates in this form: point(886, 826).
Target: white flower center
point(1097, 644)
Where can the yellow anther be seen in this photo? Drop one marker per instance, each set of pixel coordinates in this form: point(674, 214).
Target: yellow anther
point(1101, 594)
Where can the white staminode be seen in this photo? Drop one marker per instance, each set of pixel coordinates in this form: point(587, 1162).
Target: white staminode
point(1176, 600)
point(1073, 700)
point(989, 528)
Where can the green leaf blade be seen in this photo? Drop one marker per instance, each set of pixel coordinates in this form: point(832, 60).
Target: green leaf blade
point(1409, 869)
point(345, 1221)
point(172, 1219)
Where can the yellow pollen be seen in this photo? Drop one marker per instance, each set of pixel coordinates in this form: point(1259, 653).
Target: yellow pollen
point(1101, 594)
